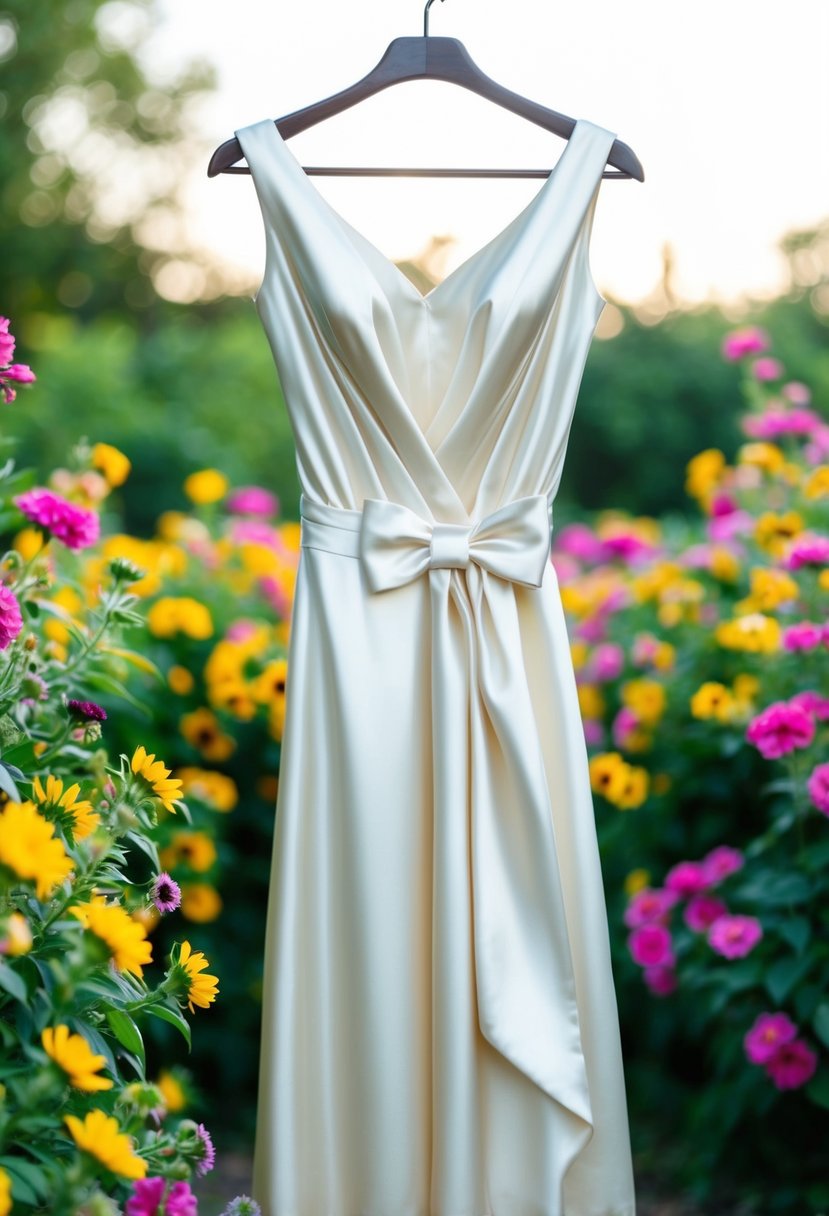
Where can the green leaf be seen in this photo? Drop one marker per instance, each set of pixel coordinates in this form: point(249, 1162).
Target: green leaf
point(146, 845)
point(99, 679)
point(13, 983)
point(29, 1183)
point(818, 1088)
point(796, 931)
point(821, 1022)
point(771, 889)
point(7, 784)
point(782, 977)
point(173, 1017)
point(127, 1033)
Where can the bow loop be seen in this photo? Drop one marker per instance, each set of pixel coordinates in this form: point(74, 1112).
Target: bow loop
point(396, 545)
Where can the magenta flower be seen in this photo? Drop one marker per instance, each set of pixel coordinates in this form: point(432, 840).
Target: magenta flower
point(624, 724)
point(165, 892)
point(818, 787)
point(797, 393)
point(792, 1065)
point(606, 662)
point(720, 862)
point(6, 341)
point(781, 728)
point(579, 541)
point(734, 936)
point(660, 980)
point(702, 910)
point(593, 732)
point(748, 340)
point(725, 527)
point(808, 549)
point(75, 526)
point(11, 620)
point(687, 878)
point(804, 635)
point(767, 368)
point(650, 945)
point(649, 904)
point(252, 500)
point(89, 711)
point(243, 627)
point(147, 1194)
point(181, 1201)
point(762, 1041)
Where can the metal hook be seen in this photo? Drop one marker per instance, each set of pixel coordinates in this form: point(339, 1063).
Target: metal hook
point(429, 4)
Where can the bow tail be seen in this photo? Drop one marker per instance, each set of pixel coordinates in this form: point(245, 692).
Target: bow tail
point(526, 991)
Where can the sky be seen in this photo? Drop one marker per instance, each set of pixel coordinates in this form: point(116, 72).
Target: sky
point(726, 105)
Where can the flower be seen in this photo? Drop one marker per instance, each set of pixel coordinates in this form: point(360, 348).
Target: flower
point(649, 904)
point(171, 614)
point(767, 368)
point(687, 878)
point(6, 1183)
point(205, 486)
point(748, 340)
point(208, 1157)
point(753, 632)
point(781, 728)
point(100, 1135)
point(11, 620)
point(165, 892)
point(650, 945)
point(87, 710)
point(712, 700)
point(818, 787)
point(808, 549)
point(29, 847)
point(813, 703)
point(156, 777)
point(82, 818)
point(242, 1206)
point(123, 935)
point(252, 500)
point(721, 862)
point(792, 1065)
point(660, 980)
point(804, 635)
point(734, 936)
point(200, 989)
point(74, 1055)
point(75, 526)
point(146, 1197)
point(702, 910)
point(762, 1041)
point(114, 465)
point(181, 1201)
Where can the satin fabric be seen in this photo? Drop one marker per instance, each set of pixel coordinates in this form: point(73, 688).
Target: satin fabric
point(440, 1031)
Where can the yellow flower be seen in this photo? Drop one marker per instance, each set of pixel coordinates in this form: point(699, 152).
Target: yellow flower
point(114, 465)
point(216, 790)
point(591, 701)
point(180, 680)
point(195, 848)
point(823, 580)
point(180, 614)
point(122, 934)
point(755, 632)
point(646, 698)
point(153, 773)
point(608, 775)
point(635, 880)
point(772, 532)
point(635, 789)
point(28, 542)
point(664, 656)
point(200, 901)
point(5, 1193)
point(817, 484)
point(208, 485)
point(712, 700)
point(202, 989)
point(100, 1135)
point(16, 936)
point(74, 1055)
point(579, 653)
point(704, 472)
point(233, 696)
point(172, 1089)
point(202, 729)
point(270, 684)
point(767, 590)
point(723, 564)
point(765, 456)
point(29, 847)
point(83, 819)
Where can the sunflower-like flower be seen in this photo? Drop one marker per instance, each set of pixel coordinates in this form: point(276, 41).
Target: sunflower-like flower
point(29, 847)
point(198, 989)
point(83, 818)
point(100, 1135)
point(123, 935)
point(72, 1053)
point(157, 778)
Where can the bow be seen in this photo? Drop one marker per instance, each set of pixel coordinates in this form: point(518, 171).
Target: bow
point(396, 545)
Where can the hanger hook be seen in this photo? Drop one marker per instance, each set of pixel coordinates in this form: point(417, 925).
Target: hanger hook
point(429, 4)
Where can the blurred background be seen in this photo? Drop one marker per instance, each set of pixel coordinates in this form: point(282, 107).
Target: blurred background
point(130, 275)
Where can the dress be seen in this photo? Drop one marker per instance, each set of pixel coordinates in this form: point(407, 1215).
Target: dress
point(440, 1031)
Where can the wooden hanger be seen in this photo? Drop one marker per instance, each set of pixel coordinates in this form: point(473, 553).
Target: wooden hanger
point(425, 58)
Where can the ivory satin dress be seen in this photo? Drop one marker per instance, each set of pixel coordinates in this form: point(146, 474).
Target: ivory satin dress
point(440, 1032)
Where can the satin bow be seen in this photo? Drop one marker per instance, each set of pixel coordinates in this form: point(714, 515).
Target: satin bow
point(396, 545)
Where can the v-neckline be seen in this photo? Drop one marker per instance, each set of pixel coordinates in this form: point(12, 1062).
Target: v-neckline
point(430, 297)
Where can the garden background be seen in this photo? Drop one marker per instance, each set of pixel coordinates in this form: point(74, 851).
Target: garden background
point(692, 546)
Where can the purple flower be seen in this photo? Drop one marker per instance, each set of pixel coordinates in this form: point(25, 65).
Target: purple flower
point(11, 621)
point(607, 661)
point(242, 1206)
point(762, 1041)
point(165, 892)
point(87, 710)
point(75, 526)
point(252, 500)
point(660, 980)
point(813, 703)
point(208, 1158)
point(734, 936)
point(648, 905)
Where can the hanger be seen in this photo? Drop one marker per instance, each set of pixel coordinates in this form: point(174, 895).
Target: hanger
point(425, 58)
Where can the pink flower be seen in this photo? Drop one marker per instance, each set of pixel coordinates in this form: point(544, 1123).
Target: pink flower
point(593, 732)
point(781, 728)
point(767, 368)
point(276, 595)
point(804, 635)
point(687, 878)
point(75, 526)
point(813, 703)
point(762, 1041)
point(660, 980)
point(702, 910)
point(579, 541)
point(645, 649)
point(6, 341)
point(624, 725)
point(818, 787)
point(181, 1201)
point(734, 936)
point(626, 546)
point(11, 620)
point(720, 862)
point(243, 627)
point(252, 500)
point(748, 340)
point(147, 1194)
point(773, 423)
point(650, 945)
point(792, 1065)
point(735, 523)
point(648, 905)
point(797, 393)
point(607, 661)
point(808, 549)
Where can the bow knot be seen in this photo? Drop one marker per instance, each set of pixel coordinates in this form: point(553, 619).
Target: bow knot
point(396, 545)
